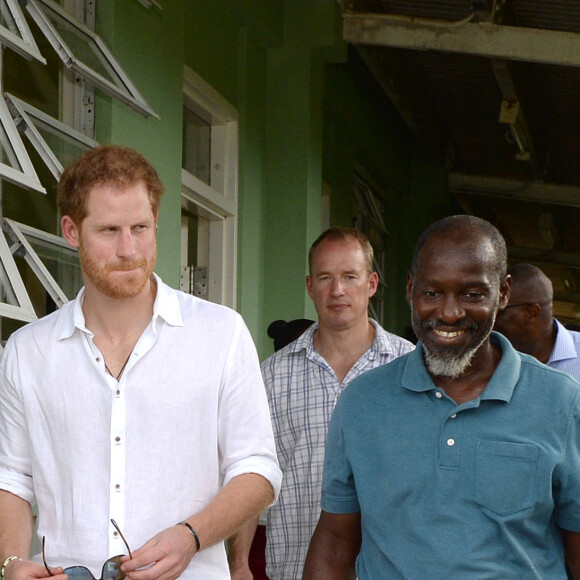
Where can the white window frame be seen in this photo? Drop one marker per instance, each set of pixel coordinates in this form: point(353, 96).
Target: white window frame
point(19, 306)
point(17, 232)
point(217, 204)
point(120, 88)
point(23, 43)
point(20, 171)
point(150, 3)
point(27, 118)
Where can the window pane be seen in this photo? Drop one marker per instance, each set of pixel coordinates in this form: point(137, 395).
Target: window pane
point(83, 51)
point(62, 263)
point(65, 150)
point(196, 145)
point(83, 47)
point(7, 154)
point(6, 18)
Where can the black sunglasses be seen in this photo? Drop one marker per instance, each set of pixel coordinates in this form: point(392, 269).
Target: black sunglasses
point(111, 568)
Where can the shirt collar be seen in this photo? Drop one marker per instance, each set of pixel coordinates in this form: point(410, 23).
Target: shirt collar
point(500, 386)
point(165, 307)
point(564, 346)
point(306, 341)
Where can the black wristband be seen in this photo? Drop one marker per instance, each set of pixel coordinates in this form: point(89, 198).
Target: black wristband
point(193, 533)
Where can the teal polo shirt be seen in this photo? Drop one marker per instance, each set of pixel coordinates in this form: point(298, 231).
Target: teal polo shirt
point(449, 491)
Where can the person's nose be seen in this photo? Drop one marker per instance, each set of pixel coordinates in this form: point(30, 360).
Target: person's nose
point(126, 244)
point(337, 287)
point(451, 309)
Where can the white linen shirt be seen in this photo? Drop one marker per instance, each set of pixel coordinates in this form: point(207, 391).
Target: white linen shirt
point(188, 414)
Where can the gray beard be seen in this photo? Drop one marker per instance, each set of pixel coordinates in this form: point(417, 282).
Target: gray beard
point(452, 367)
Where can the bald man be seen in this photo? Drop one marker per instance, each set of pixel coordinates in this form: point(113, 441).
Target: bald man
point(528, 323)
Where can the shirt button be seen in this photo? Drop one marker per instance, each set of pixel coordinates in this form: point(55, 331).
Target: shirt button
point(117, 439)
point(118, 392)
point(454, 415)
point(450, 442)
point(117, 486)
point(438, 395)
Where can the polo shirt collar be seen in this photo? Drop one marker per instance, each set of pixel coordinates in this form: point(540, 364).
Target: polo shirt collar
point(500, 387)
point(165, 307)
point(564, 346)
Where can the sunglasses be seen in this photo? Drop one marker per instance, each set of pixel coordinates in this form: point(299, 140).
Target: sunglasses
point(111, 568)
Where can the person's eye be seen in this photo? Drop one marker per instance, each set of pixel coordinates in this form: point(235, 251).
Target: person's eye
point(473, 296)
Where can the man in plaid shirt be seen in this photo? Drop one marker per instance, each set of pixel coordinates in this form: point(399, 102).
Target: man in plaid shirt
point(305, 379)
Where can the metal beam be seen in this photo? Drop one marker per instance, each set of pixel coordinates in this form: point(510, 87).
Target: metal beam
point(390, 75)
point(534, 191)
point(476, 38)
point(550, 257)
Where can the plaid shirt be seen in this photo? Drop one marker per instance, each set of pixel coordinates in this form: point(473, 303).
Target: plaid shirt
point(302, 391)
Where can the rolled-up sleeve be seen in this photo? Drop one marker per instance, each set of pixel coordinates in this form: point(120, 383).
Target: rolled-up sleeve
point(245, 429)
point(15, 460)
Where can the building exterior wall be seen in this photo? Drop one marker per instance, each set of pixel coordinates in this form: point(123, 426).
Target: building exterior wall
point(306, 118)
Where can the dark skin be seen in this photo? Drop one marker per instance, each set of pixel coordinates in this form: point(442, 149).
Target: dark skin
point(455, 295)
point(527, 321)
point(334, 547)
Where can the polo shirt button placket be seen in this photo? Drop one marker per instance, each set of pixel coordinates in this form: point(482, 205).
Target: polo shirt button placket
point(450, 442)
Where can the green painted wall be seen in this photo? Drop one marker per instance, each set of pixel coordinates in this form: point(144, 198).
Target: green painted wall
point(149, 45)
point(294, 144)
point(306, 115)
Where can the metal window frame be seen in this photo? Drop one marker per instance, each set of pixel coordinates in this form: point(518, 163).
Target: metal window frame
point(149, 3)
point(20, 171)
point(17, 233)
point(24, 45)
point(122, 89)
point(371, 216)
point(21, 307)
point(26, 118)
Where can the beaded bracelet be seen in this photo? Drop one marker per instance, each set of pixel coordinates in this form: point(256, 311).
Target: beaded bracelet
point(193, 533)
point(5, 563)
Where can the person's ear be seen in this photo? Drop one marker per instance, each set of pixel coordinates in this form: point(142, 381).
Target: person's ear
point(309, 286)
point(70, 231)
point(373, 284)
point(504, 291)
point(409, 293)
point(533, 311)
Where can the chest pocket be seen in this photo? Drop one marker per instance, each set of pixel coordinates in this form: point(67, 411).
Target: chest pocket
point(505, 476)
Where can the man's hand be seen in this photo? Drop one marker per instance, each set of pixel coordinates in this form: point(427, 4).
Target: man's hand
point(164, 557)
point(28, 570)
point(239, 550)
point(242, 572)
